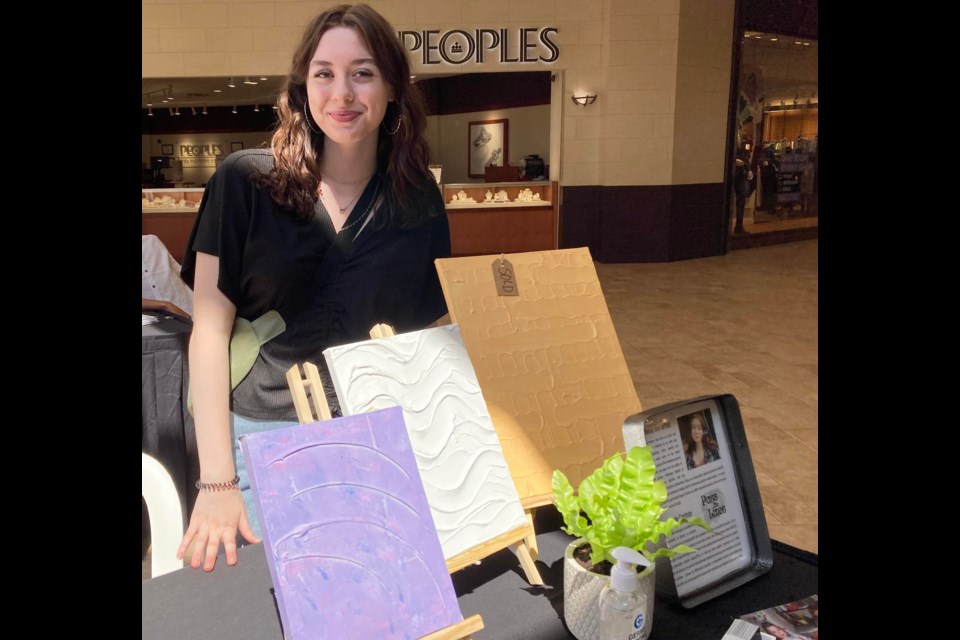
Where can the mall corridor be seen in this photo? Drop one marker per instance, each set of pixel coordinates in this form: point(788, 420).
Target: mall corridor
point(745, 323)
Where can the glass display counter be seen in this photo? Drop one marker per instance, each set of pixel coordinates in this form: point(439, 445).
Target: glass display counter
point(501, 217)
point(169, 214)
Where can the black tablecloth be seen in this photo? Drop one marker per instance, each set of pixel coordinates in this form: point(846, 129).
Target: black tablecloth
point(236, 603)
point(167, 428)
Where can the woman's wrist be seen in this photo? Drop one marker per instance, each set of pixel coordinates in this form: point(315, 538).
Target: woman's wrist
point(224, 485)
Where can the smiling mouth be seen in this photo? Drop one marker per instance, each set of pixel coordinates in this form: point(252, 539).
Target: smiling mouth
point(344, 116)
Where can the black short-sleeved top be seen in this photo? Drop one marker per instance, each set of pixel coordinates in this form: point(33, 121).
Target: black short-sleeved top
point(330, 288)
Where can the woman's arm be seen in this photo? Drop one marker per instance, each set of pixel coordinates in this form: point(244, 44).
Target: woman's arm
point(217, 515)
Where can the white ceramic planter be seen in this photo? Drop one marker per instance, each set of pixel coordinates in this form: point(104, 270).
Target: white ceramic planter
point(581, 596)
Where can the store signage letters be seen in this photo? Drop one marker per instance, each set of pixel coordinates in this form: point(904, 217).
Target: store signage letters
point(459, 46)
point(199, 151)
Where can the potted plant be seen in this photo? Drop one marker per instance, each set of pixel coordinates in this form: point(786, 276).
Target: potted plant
point(618, 505)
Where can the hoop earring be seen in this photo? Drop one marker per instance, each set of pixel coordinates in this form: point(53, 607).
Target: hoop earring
point(399, 122)
point(308, 119)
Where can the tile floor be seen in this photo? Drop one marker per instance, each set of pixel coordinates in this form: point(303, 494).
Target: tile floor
point(745, 323)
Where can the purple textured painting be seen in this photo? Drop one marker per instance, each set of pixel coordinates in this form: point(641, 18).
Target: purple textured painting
point(351, 546)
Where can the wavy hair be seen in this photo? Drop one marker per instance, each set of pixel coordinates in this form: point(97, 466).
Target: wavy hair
point(402, 158)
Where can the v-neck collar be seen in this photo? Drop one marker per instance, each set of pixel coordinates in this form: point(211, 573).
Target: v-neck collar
point(354, 222)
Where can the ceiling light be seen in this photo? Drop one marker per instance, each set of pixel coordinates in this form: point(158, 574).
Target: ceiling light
point(231, 83)
point(806, 44)
point(758, 37)
point(263, 78)
point(204, 110)
point(234, 108)
point(774, 39)
point(149, 111)
point(149, 104)
point(797, 42)
point(218, 90)
point(249, 81)
point(274, 107)
point(256, 108)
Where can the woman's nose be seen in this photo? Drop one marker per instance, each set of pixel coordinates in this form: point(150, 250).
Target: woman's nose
point(343, 90)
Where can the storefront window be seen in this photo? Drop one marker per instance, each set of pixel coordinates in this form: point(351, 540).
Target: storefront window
point(777, 134)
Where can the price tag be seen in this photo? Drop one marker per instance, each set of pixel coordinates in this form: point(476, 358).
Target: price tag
point(504, 278)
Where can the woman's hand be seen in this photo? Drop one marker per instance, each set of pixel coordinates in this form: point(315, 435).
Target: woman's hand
point(216, 518)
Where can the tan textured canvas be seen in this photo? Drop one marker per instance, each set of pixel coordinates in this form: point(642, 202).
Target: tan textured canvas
point(548, 361)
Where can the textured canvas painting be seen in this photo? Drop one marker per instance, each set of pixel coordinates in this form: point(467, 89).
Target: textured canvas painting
point(548, 361)
point(351, 545)
point(429, 374)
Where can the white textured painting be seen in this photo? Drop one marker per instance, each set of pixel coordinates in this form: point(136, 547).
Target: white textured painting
point(429, 375)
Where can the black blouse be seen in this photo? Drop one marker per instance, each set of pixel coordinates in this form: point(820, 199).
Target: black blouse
point(330, 288)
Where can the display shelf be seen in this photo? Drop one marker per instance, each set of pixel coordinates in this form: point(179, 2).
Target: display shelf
point(170, 200)
point(489, 227)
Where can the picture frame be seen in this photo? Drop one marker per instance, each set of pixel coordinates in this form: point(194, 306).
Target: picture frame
point(236, 146)
point(718, 484)
point(166, 149)
point(487, 145)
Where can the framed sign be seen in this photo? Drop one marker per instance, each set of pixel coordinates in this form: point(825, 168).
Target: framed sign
point(236, 146)
point(486, 145)
point(166, 149)
point(701, 453)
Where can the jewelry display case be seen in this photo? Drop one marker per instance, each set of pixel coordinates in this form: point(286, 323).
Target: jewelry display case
point(169, 214)
point(507, 217)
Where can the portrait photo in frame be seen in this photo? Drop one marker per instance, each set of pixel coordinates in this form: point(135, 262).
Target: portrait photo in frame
point(486, 145)
point(166, 149)
point(701, 452)
point(236, 146)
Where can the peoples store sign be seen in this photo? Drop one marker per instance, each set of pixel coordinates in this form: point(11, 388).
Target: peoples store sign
point(524, 45)
point(200, 155)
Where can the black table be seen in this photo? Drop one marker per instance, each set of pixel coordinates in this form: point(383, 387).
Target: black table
point(236, 603)
point(167, 429)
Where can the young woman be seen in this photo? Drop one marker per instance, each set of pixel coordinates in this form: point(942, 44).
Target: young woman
point(335, 228)
point(701, 448)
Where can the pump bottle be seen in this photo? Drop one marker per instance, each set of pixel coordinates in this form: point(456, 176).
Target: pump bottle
point(623, 609)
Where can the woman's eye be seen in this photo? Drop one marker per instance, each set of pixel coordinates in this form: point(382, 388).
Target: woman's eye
point(323, 73)
point(363, 73)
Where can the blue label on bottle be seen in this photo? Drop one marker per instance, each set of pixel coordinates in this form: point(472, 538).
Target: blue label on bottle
point(638, 623)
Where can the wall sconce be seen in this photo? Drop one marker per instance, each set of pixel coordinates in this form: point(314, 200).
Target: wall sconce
point(231, 83)
point(234, 108)
point(256, 108)
point(204, 110)
point(584, 100)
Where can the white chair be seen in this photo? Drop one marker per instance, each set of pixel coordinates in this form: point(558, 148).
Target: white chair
point(166, 516)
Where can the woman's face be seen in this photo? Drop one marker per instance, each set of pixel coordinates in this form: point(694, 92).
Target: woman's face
point(776, 631)
point(347, 94)
point(696, 430)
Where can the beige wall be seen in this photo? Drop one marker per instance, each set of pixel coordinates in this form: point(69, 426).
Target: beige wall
point(528, 133)
point(657, 66)
point(150, 145)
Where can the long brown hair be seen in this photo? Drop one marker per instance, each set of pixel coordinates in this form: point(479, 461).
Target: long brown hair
point(402, 158)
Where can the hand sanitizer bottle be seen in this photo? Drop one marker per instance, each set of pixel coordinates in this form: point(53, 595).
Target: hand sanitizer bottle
point(622, 607)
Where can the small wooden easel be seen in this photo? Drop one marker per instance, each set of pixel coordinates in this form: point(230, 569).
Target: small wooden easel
point(522, 541)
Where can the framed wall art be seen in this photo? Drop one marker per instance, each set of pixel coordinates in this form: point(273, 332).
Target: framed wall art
point(166, 149)
point(486, 145)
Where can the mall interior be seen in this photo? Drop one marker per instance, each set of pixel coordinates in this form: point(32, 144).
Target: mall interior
point(622, 121)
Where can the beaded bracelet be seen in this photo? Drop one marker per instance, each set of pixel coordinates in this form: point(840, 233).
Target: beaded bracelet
point(219, 486)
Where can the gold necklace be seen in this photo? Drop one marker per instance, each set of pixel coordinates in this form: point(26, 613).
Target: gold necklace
point(346, 182)
point(352, 200)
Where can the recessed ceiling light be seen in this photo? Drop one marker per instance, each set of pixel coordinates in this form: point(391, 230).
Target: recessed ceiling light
point(774, 39)
point(263, 78)
point(806, 44)
point(231, 83)
point(218, 90)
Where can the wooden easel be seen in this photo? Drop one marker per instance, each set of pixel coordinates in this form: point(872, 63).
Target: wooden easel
point(522, 541)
